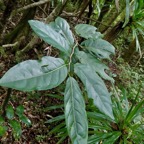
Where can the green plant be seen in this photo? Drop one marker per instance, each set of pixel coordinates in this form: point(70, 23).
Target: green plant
point(3, 128)
point(134, 20)
point(13, 119)
point(131, 78)
point(126, 128)
point(83, 60)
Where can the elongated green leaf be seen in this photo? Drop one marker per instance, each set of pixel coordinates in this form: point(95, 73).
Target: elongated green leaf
point(57, 128)
point(55, 96)
point(140, 4)
point(65, 30)
point(87, 31)
point(138, 47)
point(62, 139)
point(20, 110)
point(112, 139)
point(1, 120)
point(29, 75)
point(101, 136)
point(95, 64)
point(17, 131)
point(25, 120)
point(99, 47)
point(96, 126)
point(75, 114)
point(2, 130)
point(134, 112)
point(49, 35)
point(95, 87)
point(97, 4)
point(53, 107)
point(9, 112)
point(56, 119)
point(127, 13)
point(98, 116)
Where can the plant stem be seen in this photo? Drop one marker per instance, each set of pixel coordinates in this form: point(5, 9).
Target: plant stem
point(10, 45)
point(30, 6)
point(70, 60)
point(6, 100)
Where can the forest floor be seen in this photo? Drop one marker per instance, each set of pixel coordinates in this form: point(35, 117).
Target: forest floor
point(35, 108)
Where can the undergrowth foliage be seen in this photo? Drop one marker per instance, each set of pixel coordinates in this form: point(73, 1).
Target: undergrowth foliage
point(78, 61)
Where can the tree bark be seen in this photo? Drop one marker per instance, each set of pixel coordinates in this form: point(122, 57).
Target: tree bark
point(10, 5)
point(56, 12)
point(22, 29)
point(104, 11)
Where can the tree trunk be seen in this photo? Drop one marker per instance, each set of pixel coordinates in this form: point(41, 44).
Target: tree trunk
point(104, 10)
point(10, 5)
point(22, 28)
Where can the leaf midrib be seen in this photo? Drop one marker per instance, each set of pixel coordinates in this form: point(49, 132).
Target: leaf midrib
point(73, 109)
point(37, 75)
point(92, 86)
